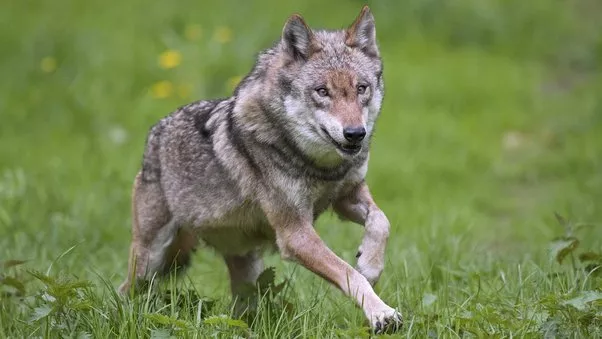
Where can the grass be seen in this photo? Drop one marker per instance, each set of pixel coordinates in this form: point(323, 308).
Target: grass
point(492, 122)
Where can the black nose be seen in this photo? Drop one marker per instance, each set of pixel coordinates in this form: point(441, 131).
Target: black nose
point(354, 134)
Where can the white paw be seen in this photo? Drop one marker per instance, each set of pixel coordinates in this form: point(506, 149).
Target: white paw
point(385, 321)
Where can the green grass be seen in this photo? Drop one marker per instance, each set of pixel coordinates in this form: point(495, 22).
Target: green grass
point(492, 122)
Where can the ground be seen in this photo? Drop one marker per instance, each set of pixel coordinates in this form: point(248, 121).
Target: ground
point(492, 123)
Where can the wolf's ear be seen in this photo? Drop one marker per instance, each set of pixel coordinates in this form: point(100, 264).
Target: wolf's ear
point(362, 33)
point(297, 38)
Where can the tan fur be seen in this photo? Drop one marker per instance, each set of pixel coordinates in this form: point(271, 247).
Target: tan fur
point(343, 91)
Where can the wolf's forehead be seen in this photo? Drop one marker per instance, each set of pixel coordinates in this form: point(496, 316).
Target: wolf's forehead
point(331, 42)
point(335, 53)
point(341, 78)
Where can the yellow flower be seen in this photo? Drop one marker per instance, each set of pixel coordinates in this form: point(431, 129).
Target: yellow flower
point(193, 32)
point(184, 91)
point(233, 82)
point(162, 89)
point(170, 59)
point(48, 64)
point(222, 34)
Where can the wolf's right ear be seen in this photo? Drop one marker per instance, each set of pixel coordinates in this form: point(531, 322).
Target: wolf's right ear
point(297, 38)
point(362, 33)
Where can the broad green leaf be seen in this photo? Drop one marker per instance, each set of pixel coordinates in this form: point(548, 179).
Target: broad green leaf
point(237, 323)
point(359, 332)
point(161, 334)
point(40, 313)
point(428, 299)
point(266, 278)
point(549, 328)
point(562, 247)
point(48, 298)
point(225, 320)
point(165, 320)
point(581, 302)
point(84, 335)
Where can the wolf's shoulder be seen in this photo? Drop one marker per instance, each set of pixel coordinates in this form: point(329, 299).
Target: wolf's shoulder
point(193, 115)
point(200, 108)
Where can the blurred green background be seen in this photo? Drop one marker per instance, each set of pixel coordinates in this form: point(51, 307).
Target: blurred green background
point(492, 121)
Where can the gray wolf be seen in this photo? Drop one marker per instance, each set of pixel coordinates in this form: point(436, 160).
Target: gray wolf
point(255, 170)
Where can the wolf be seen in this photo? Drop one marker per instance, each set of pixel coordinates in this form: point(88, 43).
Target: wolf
point(255, 170)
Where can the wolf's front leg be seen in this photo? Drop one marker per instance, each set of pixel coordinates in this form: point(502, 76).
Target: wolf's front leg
point(298, 241)
point(357, 205)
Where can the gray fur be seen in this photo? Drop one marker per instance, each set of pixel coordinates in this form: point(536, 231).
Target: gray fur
point(220, 171)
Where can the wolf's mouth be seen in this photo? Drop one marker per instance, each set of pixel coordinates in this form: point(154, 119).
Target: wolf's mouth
point(350, 149)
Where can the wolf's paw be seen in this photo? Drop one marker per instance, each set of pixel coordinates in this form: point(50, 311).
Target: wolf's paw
point(385, 321)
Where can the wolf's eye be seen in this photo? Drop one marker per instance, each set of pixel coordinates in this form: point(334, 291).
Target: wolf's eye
point(361, 89)
point(323, 92)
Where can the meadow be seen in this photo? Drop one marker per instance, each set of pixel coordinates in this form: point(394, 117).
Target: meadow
point(487, 160)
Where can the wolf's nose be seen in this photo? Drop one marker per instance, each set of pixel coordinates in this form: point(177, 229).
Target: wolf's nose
point(354, 134)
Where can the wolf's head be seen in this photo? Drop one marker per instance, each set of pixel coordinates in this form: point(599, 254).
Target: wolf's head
point(328, 87)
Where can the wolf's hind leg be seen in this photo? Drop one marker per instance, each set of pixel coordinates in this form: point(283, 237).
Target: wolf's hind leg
point(244, 271)
point(157, 242)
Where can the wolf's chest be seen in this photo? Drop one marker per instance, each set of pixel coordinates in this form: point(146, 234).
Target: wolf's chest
point(246, 228)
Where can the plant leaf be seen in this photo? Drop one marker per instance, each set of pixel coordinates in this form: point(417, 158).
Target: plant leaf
point(40, 313)
point(428, 299)
point(165, 320)
point(84, 335)
point(161, 334)
point(562, 247)
point(48, 281)
point(561, 220)
point(360, 332)
point(581, 302)
point(225, 320)
point(278, 288)
point(11, 263)
point(590, 256)
point(14, 283)
point(266, 278)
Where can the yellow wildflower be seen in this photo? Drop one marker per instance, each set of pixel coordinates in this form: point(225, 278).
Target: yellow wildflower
point(222, 34)
point(193, 32)
point(184, 90)
point(170, 59)
point(233, 82)
point(48, 64)
point(162, 89)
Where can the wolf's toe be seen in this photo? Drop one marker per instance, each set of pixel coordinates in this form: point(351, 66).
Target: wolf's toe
point(387, 321)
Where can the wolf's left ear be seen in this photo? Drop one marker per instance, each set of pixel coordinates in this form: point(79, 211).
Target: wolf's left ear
point(297, 38)
point(362, 33)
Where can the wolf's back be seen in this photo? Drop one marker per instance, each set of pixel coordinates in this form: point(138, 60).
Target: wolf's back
point(151, 161)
